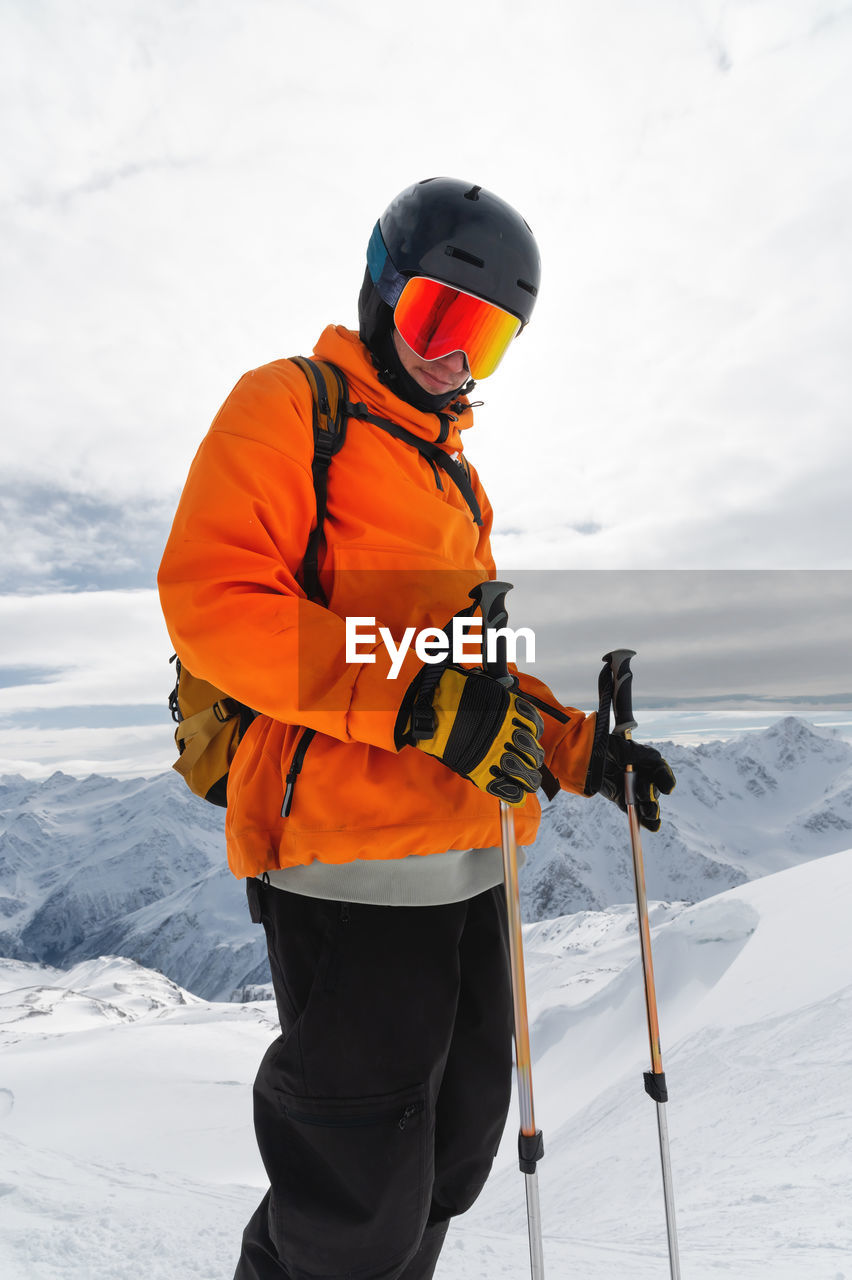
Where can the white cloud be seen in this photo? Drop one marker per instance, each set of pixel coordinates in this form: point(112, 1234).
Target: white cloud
point(54, 538)
point(181, 204)
point(104, 648)
point(125, 752)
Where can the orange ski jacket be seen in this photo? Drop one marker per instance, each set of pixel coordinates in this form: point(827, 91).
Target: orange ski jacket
point(400, 546)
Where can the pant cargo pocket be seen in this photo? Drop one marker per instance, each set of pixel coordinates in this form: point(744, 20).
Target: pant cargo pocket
point(352, 1186)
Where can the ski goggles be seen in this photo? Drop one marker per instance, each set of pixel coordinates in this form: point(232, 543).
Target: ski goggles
point(435, 319)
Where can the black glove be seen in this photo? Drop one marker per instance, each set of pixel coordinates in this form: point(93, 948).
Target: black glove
point(653, 774)
point(480, 729)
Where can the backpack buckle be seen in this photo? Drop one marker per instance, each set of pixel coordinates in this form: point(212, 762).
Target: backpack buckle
point(324, 445)
point(422, 722)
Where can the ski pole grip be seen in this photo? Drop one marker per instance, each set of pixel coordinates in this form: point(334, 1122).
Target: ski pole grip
point(622, 689)
point(490, 597)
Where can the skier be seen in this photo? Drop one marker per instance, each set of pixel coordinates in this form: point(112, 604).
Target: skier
point(362, 809)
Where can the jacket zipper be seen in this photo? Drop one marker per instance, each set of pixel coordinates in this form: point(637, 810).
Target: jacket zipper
point(304, 741)
point(413, 1109)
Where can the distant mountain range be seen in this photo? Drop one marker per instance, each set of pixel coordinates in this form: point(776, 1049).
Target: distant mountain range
point(744, 808)
point(132, 868)
point(103, 867)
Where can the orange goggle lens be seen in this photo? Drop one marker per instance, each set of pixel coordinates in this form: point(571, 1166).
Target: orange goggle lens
point(435, 320)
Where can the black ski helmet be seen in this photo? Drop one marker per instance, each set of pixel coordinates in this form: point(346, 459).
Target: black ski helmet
point(454, 232)
point(463, 236)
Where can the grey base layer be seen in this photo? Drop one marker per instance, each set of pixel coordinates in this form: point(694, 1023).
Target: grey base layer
point(415, 881)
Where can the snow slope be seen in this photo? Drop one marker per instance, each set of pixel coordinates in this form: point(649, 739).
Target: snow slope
point(126, 1127)
point(127, 1151)
point(755, 991)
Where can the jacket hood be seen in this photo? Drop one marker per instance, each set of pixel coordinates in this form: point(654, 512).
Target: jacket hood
point(343, 347)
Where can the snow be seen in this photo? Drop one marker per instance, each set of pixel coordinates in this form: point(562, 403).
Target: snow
point(125, 1104)
point(126, 1123)
point(755, 991)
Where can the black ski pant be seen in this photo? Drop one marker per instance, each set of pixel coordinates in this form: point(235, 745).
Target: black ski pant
point(379, 1108)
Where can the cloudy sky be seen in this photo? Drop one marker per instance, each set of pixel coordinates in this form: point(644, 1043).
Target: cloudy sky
point(186, 191)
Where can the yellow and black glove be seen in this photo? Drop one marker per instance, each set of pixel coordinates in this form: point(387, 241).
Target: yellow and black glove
point(479, 729)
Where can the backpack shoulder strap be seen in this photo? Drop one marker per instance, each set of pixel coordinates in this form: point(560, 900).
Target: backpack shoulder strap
point(331, 411)
point(458, 470)
point(329, 393)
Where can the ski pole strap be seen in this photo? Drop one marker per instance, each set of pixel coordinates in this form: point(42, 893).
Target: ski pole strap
point(597, 760)
point(530, 1150)
point(655, 1085)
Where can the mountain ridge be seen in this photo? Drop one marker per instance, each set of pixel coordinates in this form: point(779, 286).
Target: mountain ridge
point(99, 866)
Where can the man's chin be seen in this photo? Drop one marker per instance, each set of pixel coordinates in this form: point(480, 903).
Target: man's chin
point(438, 386)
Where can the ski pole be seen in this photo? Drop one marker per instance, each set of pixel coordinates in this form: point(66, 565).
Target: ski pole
point(655, 1079)
point(491, 599)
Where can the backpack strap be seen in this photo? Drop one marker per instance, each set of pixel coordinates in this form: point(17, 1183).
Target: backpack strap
point(329, 396)
point(331, 410)
point(457, 471)
point(195, 733)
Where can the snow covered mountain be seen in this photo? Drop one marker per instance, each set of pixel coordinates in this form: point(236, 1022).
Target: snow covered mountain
point(125, 1104)
point(104, 867)
point(741, 809)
